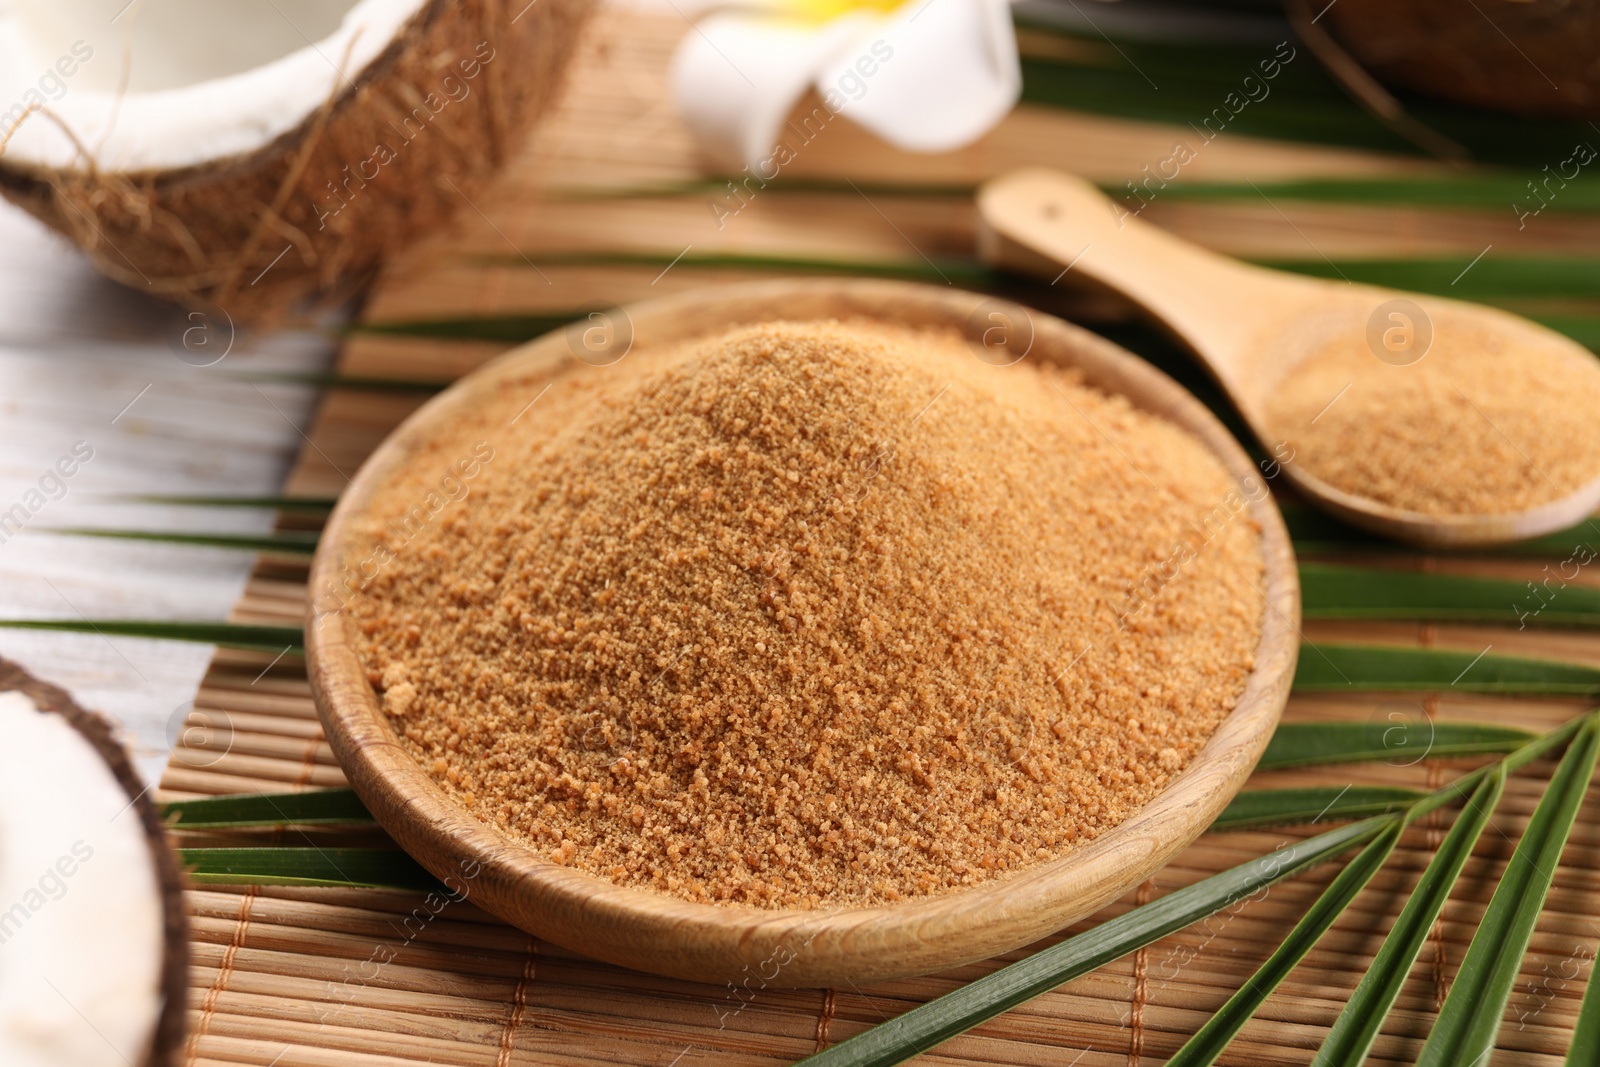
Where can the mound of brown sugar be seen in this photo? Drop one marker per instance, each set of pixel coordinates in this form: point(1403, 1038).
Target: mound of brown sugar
point(1477, 426)
point(809, 615)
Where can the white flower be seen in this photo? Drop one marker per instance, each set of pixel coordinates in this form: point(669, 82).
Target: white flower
point(926, 76)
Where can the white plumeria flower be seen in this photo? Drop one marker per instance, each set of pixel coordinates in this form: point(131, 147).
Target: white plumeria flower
point(925, 75)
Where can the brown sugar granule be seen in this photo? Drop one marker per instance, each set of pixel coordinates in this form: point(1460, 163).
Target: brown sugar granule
point(808, 615)
point(1476, 426)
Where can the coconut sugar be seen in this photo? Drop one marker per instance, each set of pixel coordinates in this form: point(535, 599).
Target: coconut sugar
point(810, 615)
point(1476, 426)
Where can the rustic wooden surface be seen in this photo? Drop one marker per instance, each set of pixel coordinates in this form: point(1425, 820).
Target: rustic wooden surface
point(86, 361)
point(347, 978)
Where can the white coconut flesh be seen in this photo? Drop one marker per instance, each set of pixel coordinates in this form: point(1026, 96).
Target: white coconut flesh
point(81, 949)
point(156, 85)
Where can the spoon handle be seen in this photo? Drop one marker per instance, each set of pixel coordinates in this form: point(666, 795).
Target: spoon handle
point(1051, 224)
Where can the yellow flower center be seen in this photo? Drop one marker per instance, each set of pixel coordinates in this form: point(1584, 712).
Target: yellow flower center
point(828, 10)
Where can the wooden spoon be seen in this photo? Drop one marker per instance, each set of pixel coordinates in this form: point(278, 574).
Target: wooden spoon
point(1253, 327)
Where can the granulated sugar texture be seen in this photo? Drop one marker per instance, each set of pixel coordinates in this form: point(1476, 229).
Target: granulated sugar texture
point(1478, 426)
point(810, 615)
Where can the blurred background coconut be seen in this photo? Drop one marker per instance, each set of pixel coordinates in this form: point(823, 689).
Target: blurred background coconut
point(1539, 58)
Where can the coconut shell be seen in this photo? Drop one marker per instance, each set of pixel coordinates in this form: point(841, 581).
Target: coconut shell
point(170, 1028)
point(1534, 58)
point(253, 233)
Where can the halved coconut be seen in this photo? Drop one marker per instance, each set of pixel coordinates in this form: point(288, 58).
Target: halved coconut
point(1534, 58)
point(243, 154)
point(93, 942)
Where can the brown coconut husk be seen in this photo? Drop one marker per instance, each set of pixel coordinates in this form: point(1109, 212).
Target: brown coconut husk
point(169, 1032)
point(1362, 86)
point(246, 234)
point(1535, 58)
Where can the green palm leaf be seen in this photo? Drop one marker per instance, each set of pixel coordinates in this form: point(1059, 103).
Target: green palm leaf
point(1184, 83)
point(227, 634)
point(1582, 328)
point(943, 271)
point(334, 807)
point(1257, 808)
point(1322, 667)
point(1493, 278)
point(1328, 591)
point(310, 504)
point(1479, 188)
point(373, 868)
point(506, 329)
point(290, 543)
point(341, 807)
point(1470, 1019)
point(1250, 809)
point(1306, 744)
point(1585, 1048)
point(1338, 592)
point(1350, 668)
point(334, 380)
point(1315, 531)
point(1526, 284)
point(790, 186)
point(1353, 1033)
point(921, 1028)
point(1213, 1037)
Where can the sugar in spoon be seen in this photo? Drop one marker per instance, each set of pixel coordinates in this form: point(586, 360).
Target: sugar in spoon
point(1425, 419)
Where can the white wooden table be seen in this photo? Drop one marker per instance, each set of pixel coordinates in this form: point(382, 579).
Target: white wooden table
point(83, 359)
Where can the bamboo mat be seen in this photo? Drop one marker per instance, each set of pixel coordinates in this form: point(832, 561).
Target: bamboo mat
point(304, 978)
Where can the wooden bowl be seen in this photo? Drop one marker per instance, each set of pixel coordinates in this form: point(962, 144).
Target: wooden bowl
point(770, 948)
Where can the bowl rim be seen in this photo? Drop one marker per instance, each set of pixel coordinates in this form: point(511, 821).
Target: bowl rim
point(721, 944)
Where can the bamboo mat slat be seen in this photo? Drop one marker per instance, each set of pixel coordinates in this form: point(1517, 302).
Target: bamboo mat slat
point(362, 978)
